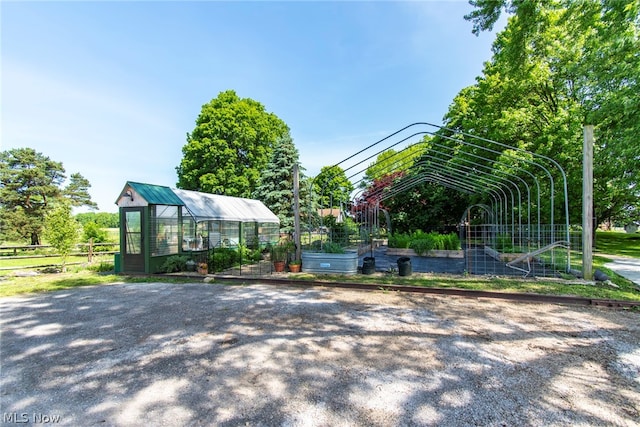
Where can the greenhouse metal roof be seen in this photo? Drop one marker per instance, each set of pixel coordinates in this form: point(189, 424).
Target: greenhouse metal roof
point(153, 194)
point(201, 206)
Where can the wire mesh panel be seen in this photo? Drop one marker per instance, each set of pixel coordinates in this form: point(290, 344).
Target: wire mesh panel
point(540, 251)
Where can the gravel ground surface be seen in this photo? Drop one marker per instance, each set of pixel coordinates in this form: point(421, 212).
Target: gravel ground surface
point(207, 354)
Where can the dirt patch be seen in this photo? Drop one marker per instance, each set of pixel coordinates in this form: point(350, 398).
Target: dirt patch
point(207, 354)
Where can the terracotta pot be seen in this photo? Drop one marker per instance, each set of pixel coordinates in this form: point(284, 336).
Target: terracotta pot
point(278, 266)
point(295, 268)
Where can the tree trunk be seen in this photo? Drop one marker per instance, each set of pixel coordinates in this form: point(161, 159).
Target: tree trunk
point(35, 239)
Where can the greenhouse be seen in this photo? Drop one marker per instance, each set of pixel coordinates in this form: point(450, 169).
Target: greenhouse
point(158, 222)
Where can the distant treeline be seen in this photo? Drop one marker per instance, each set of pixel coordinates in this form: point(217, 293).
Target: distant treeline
point(102, 219)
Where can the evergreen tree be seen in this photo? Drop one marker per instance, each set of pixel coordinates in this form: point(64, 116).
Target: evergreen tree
point(276, 187)
point(29, 183)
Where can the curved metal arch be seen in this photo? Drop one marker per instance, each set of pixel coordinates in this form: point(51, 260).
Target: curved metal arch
point(536, 164)
point(495, 161)
point(479, 189)
point(451, 182)
point(487, 179)
point(476, 205)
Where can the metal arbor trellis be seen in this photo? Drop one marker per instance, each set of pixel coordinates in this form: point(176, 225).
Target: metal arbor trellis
point(483, 170)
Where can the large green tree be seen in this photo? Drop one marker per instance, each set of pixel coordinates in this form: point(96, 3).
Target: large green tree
point(390, 161)
point(332, 187)
point(229, 147)
point(557, 66)
point(29, 183)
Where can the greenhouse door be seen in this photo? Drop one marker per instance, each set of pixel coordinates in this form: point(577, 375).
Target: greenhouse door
point(133, 249)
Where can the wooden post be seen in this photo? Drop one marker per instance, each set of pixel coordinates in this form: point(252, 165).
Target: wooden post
point(90, 250)
point(296, 211)
point(587, 204)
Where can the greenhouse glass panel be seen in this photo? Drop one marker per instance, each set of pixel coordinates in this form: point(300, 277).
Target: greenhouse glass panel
point(164, 230)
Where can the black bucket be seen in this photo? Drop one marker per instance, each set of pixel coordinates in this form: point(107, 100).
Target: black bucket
point(368, 265)
point(404, 266)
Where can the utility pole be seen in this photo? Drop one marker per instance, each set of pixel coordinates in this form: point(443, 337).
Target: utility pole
point(296, 211)
point(587, 204)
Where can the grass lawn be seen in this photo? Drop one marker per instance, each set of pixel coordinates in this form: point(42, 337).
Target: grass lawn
point(6, 263)
point(73, 278)
point(608, 243)
point(614, 243)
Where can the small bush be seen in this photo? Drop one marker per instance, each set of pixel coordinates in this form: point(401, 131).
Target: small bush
point(451, 242)
point(223, 258)
point(422, 246)
point(400, 240)
point(93, 231)
point(174, 264)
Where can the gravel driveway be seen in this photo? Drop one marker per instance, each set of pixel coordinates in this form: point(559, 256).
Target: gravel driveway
point(207, 354)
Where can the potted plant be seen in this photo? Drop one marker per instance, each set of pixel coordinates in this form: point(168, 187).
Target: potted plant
point(203, 268)
point(279, 257)
point(295, 266)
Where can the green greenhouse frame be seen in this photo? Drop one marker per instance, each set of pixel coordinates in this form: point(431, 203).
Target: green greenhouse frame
point(157, 222)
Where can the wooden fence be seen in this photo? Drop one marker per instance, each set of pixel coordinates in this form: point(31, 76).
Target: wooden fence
point(89, 250)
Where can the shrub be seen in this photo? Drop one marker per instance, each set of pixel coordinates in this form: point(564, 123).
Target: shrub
point(399, 240)
point(223, 258)
point(93, 231)
point(174, 264)
point(451, 242)
point(422, 246)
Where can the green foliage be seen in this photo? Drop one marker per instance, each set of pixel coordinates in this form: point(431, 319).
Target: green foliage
point(29, 183)
point(279, 252)
point(229, 147)
point(276, 187)
point(103, 267)
point(341, 232)
point(421, 246)
point(332, 248)
point(624, 244)
point(399, 240)
point(426, 205)
point(61, 230)
point(102, 219)
point(246, 253)
point(391, 161)
point(504, 243)
point(422, 242)
point(223, 258)
point(77, 191)
point(332, 186)
point(93, 231)
point(559, 65)
point(174, 263)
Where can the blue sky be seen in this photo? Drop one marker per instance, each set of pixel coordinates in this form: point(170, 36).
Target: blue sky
point(110, 89)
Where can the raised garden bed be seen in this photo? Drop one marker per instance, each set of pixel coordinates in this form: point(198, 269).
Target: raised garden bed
point(322, 262)
point(431, 254)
